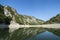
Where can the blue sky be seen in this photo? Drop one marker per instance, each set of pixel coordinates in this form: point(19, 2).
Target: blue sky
point(41, 9)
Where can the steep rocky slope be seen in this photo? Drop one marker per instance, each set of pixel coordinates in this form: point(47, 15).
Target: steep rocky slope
point(9, 15)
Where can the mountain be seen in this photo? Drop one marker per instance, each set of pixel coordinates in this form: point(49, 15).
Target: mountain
point(55, 19)
point(9, 15)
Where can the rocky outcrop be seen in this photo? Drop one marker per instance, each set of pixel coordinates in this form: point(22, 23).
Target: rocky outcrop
point(20, 19)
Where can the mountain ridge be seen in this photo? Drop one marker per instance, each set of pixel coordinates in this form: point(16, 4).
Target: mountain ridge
point(12, 16)
point(9, 15)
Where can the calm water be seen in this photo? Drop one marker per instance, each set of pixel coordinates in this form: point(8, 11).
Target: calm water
point(30, 34)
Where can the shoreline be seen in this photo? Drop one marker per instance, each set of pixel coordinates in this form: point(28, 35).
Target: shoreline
point(13, 27)
point(22, 26)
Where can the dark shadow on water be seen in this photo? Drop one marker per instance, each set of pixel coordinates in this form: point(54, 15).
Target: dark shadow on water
point(4, 34)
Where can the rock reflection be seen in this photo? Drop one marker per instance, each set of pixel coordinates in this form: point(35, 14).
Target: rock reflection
point(25, 33)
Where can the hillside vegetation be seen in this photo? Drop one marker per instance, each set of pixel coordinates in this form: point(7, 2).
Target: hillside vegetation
point(8, 14)
point(4, 19)
point(55, 19)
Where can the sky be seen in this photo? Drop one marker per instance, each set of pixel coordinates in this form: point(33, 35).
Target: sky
point(41, 9)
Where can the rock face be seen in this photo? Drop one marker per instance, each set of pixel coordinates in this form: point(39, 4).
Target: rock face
point(10, 16)
point(6, 12)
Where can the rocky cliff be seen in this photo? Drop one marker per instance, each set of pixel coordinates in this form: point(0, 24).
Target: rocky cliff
point(9, 15)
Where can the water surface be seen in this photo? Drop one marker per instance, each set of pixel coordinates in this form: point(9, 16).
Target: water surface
point(30, 34)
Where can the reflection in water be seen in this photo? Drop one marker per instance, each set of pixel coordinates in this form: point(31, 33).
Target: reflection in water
point(20, 34)
point(45, 36)
point(25, 33)
point(4, 34)
point(55, 31)
point(30, 34)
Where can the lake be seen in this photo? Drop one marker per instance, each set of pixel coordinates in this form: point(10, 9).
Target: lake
point(30, 34)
